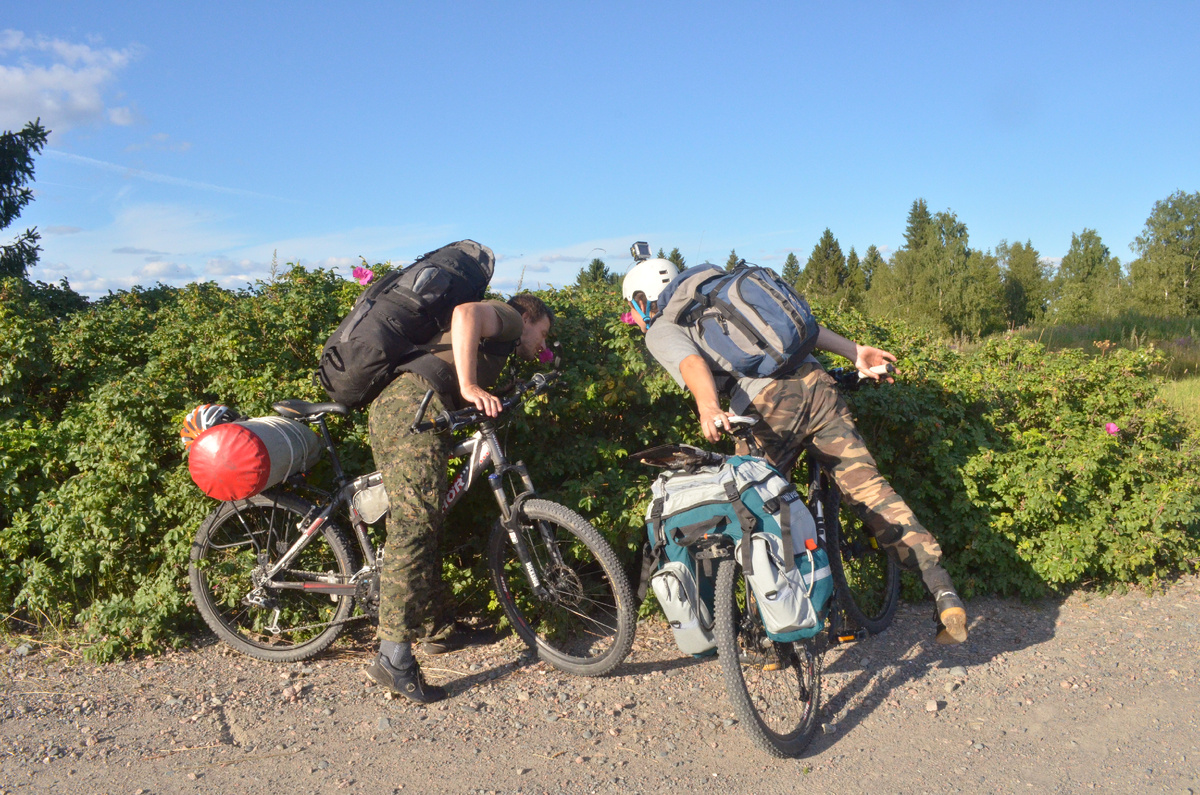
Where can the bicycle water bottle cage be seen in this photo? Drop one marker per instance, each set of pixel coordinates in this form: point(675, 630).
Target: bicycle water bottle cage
point(676, 456)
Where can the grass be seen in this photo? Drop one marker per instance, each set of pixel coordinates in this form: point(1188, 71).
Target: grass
point(1184, 397)
point(1178, 338)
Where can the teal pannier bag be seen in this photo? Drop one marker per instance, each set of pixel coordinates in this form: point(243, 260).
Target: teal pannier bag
point(745, 499)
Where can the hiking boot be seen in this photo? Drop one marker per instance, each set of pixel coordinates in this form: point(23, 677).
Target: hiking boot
point(407, 681)
point(951, 619)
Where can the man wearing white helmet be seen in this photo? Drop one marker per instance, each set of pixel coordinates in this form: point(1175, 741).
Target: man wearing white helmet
point(800, 410)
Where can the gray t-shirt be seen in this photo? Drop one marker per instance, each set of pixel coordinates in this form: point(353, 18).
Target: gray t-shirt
point(671, 344)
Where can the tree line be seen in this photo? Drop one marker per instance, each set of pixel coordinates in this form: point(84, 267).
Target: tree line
point(937, 280)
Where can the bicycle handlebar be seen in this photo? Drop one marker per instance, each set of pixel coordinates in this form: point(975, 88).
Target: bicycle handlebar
point(453, 420)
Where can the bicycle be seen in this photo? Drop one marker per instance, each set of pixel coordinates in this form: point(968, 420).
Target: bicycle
point(775, 687)
point(276, 578)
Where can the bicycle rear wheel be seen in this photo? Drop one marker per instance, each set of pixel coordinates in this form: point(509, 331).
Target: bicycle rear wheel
point(775, 688)
point(581, 619)
point(866, 576)
point(233, 549)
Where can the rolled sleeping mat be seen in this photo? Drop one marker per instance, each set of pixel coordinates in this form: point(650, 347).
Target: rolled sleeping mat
point(237, 460)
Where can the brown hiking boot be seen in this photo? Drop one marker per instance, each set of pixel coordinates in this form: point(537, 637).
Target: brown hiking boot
point(951, 619)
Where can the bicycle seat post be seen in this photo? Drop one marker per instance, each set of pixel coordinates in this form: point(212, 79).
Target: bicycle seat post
point(333, 456)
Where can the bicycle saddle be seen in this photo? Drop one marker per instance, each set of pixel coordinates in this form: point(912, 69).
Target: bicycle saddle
point(302, 409)
point(676, 456)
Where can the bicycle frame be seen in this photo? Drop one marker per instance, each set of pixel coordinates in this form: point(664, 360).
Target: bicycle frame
point(481, 450)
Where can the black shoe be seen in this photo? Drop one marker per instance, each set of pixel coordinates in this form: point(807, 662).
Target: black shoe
point(454, 640)
point(407, 682)
point(951, 617)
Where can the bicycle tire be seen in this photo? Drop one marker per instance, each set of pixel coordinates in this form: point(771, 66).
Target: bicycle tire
point(235, 541)
point(775, 688)
point(584, 623)
point(865, 575)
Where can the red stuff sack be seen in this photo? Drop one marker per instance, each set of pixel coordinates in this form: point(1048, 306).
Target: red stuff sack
point(236, 460)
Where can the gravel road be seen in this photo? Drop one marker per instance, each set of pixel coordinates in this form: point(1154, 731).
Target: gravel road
point(1092, 692)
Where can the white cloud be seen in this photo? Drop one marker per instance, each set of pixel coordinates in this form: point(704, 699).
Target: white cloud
point(140, 252)
point(60, 230)
point(160, 270)
point(63, 83)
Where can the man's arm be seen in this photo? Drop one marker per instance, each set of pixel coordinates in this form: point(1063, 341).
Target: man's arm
point(864, 356)
point(699, 381)
point(470, 324)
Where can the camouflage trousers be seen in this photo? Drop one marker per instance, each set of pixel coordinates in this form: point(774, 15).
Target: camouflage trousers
point(413, 465)
point(805, 412)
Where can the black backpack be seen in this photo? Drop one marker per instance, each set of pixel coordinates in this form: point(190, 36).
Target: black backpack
point(405, 309)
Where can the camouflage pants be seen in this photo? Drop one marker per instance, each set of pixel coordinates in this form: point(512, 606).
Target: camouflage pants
point(413, 466)
point(805, 412)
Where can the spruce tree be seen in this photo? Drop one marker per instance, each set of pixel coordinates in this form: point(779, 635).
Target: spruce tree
point(791, 270)
point(825, 273)
point(733, 260)
point(676, 257)
point(1088, 280)
point(16, 170)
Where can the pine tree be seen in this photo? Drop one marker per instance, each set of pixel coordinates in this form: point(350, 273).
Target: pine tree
point(791, 270)
point(856, 280)
point(733, 260)
point(825, 273)
point(16, 169)
point(1087, 282)
point(871, 264)
point(919, 223)
point(596, 273)
point(1026, 282)
point(676, 257)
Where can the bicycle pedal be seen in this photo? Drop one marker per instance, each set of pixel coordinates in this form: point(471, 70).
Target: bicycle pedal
point(852, 637)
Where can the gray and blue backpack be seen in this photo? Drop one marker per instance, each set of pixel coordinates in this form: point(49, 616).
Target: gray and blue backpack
point(745, 499)
point(750, 322)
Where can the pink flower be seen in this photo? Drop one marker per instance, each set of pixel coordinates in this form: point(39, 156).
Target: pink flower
point(546, 356)
point(1112, 429)
point(363, 275)
point(628, 320)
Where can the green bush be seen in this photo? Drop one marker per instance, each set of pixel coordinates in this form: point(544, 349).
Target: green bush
point(1002, 452)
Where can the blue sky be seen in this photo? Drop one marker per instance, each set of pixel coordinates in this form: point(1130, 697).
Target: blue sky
point(197, 144)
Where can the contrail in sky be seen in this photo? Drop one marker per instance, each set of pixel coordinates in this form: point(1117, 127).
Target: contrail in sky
point(150, 176)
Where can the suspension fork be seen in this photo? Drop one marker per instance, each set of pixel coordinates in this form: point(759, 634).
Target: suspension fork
point(511, 513)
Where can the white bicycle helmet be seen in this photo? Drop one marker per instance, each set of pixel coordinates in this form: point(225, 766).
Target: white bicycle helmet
point(200, 419)
point(648, 277)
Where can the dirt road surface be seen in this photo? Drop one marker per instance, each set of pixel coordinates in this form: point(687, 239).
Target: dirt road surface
point(1094, 692)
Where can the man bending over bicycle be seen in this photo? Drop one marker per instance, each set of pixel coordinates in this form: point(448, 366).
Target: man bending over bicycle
point(462, 364)
point(800, 410)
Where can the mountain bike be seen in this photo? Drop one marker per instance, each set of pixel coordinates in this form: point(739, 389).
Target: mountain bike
point(276, 577)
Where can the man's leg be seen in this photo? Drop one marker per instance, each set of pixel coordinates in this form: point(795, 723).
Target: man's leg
point(414, 474)
point(806, 411)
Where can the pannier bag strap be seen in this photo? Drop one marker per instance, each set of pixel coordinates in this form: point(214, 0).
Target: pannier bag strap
point(687, 535)
point(784, 507)
point(748, 522)
point(652, 554)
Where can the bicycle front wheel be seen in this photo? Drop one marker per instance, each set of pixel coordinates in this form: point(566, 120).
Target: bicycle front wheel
point(775, 687)
point(236, 545)
point(866, 575)
point(579, 617)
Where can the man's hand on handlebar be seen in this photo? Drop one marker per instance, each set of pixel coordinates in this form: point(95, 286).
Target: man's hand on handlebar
point(483, 400)
point(712, 421)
